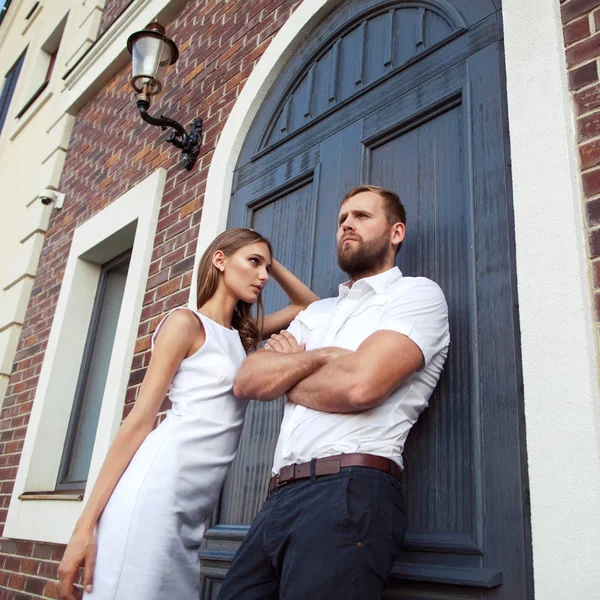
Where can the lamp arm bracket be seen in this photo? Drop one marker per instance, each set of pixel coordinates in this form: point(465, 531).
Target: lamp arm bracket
point(189, 143)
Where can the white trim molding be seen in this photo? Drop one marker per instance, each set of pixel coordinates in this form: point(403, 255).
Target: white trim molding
point(555, 307)
point(128, 222)
point(558, 350)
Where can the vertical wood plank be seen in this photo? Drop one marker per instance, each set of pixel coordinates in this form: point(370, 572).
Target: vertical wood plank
point(360, 62)
point(389, 47)
point(335, 68)
point(420, 29)
point(310, 83)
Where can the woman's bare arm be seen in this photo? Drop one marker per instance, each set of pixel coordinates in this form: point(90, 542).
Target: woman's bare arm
point(180, 333)
point(299, 294)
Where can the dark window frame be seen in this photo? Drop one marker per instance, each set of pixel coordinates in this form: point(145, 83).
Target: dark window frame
point(30, 13)
point(38, 92)
point(8, 88)
point(4, 10)
point(62, 485)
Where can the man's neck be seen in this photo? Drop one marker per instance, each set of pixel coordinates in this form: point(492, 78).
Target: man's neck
point(371, 273)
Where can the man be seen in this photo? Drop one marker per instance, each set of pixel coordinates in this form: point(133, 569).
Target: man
point(357, 370)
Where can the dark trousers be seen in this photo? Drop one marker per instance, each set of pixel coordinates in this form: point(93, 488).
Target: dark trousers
point(326, 538)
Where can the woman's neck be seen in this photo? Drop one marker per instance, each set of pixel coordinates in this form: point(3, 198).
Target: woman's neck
point(219, 307)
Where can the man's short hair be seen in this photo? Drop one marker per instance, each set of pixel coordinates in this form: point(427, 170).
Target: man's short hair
point(393, 207)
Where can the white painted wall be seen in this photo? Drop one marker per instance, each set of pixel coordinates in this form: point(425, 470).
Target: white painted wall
point(559, 354)
point(560, 375)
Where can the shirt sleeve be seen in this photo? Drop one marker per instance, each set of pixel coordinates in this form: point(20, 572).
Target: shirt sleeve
point(298, 329)
point(420, 312)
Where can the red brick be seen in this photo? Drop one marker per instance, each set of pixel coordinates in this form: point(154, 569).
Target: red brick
point(574, 8)
point(583, 51)
point(588, 99)
point(596, 273)
point(591, 182)
point(597, 19)
point(589, 154)
point(588, 126)
point(35, 586)
point(169, 288)
point(143, 343)
point(173, 257)
point(583, 76)
point(178, 299)
point(577, 30)
point(51, 590)
point(29, 566)
point(48, 570)
point(594, 242)
point(17, 581)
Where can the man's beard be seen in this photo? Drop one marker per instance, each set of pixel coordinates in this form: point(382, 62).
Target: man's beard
point(362, 258)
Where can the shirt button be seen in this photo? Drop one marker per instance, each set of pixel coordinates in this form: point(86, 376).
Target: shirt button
point(359, 544)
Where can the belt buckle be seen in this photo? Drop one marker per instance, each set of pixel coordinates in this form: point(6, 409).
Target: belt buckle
point(283, 472)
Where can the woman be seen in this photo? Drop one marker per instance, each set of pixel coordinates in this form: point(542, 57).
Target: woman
point(157, 487)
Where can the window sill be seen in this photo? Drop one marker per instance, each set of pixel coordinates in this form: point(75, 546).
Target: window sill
point(33, 98)
point(75, 495)
point(38, 103)
point(32, 17)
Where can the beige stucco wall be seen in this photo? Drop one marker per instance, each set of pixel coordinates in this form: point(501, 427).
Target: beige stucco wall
point(33, 147)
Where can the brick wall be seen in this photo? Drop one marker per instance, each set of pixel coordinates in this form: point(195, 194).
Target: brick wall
point(111, 150)
point(111, 12)
point(581, 28)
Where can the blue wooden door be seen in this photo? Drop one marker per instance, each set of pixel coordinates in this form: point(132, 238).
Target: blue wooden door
point(408, 95)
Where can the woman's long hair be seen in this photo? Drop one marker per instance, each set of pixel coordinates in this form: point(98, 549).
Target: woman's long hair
point(229, 242)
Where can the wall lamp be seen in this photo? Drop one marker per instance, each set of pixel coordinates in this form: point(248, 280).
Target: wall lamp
point(151, 53)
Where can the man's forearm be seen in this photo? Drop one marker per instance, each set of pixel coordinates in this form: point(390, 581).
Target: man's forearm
point(268, 375)
point(331, 389)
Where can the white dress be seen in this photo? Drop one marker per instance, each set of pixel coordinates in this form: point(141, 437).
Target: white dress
point(150, 531)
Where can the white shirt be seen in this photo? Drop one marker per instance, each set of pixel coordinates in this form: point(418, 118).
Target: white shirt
point(413, 306)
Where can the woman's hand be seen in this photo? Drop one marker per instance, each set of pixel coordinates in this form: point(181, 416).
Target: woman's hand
point(284, 342)
point(80, 551)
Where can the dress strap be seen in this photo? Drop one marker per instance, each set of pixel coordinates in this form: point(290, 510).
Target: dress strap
point(158, 328)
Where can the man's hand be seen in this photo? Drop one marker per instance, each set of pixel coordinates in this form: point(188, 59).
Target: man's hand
point(80, 551)
point(284, 342)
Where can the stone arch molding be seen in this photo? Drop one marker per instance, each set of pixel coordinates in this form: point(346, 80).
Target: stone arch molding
point(294, 32)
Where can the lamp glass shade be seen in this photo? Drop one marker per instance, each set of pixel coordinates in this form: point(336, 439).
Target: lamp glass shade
point(151, 54)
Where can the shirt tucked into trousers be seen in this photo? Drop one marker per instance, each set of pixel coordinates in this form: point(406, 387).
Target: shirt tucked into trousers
point(337, 536)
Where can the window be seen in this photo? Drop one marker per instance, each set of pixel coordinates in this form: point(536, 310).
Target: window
point(32, 10)
point(4, 4)
point(79, 444)
point(59, 438)
point(44, 65)
point(8, 89)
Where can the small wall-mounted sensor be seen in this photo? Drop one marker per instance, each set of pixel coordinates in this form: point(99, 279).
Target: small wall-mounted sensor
point(49, 196)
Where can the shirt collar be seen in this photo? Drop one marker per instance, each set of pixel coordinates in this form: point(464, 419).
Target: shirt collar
point(378, 283)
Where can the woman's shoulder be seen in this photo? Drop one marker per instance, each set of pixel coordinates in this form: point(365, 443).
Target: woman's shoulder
point(181, 323)
point(183, 318)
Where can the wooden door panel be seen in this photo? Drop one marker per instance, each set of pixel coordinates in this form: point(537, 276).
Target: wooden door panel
point(426, 164)
point(287, 216)
point(435, 130)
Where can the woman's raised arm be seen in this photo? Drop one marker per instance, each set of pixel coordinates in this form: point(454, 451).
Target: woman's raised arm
point(299, 294)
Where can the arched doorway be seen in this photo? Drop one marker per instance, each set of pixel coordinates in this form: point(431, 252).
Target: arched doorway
point(408, 95)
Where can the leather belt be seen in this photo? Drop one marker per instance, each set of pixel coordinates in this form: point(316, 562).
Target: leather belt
point(330, 465)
